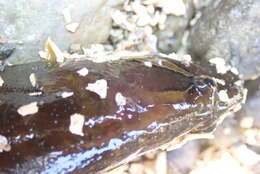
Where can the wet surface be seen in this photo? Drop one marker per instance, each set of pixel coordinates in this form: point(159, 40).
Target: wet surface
point(163, 102)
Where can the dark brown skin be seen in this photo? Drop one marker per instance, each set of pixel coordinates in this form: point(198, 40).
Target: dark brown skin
point(162, 103)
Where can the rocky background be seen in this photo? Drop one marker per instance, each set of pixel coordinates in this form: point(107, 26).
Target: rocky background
point(204, 29)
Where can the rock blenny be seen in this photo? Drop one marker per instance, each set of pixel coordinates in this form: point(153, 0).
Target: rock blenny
point(133, 109)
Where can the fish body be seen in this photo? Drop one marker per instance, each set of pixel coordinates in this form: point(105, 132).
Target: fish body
point(87, 117)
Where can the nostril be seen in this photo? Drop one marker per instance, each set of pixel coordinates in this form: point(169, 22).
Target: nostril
point(209, 82)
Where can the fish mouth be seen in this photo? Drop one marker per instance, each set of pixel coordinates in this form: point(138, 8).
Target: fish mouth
point(229, 101)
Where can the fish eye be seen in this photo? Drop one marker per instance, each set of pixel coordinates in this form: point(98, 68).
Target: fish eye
point(209, 82)
point(200, 85)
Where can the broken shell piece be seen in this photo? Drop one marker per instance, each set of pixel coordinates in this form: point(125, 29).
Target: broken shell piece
point(4, 146)
point(1, 81)
point(33, 79)
point(83, 72)
point(120, 99)
point(43, 54)
point(72, 27)
point(54, 53)
point(99, 87)
point(76, 124)
point(28, 109)
point(67, 15)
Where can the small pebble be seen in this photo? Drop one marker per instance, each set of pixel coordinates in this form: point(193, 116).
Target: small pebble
point(67, 15)
point(54, 53)
point(72, 27)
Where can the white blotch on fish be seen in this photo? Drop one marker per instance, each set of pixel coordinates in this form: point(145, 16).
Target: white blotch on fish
point(120, 99)
point(67, 94)
point(28, 109)
point(1, 81)
point(99, 87)
point(76, 124)
point(83, 72)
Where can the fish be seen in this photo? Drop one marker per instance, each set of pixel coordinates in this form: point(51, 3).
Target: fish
point(88, 117)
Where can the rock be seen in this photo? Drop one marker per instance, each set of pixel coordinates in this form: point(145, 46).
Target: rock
point(227, 134)
point(215, 161)
point(170, 39)
point(229, 29)
point(244, 155)
point(182, 160)
point(28, 24)
point(6, 50)
point(249, 117)
point(251, 108)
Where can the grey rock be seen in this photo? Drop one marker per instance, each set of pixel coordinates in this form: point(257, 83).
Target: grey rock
point(182, 160)
point(226, 134)
point(170, 39)
point(28, 24)
point(249, 118)
point(229, 29)
point(251, 108)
